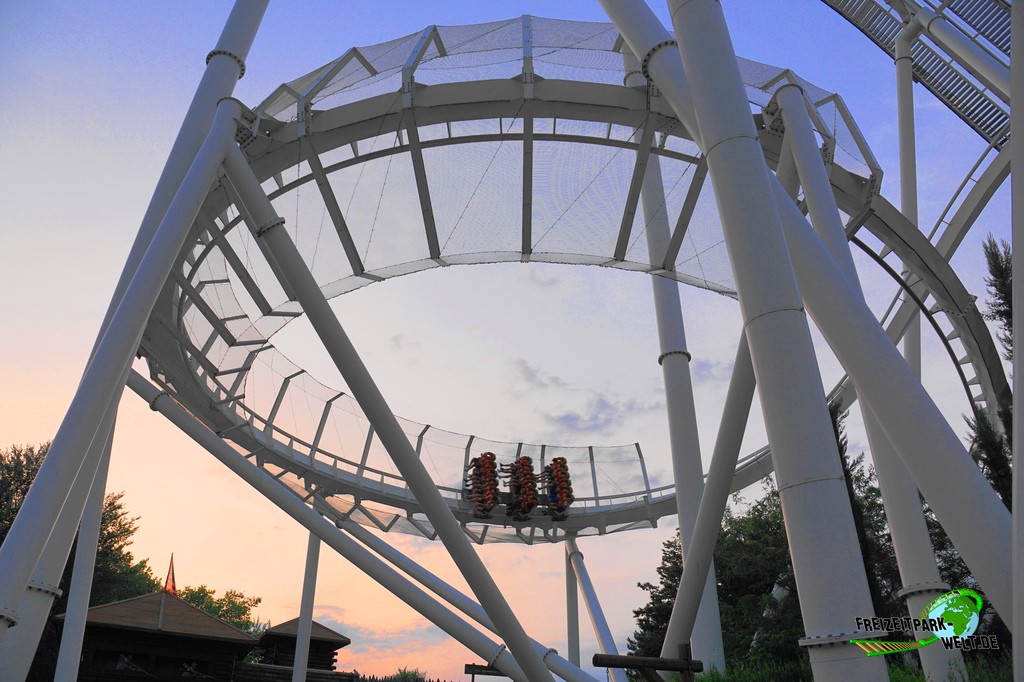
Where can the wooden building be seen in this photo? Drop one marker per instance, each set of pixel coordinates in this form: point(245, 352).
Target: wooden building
point(278, 645)
point(159, 636)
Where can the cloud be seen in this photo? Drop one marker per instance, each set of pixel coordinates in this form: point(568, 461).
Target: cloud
point(540, 281)
point(399, 342)
point(600, 415)
point(536, 377)
point(710, 370)
point(381, 652)
point(368, 643)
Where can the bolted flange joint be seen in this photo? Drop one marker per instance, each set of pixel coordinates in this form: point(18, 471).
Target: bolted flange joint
point(918, 588)
point(650, 55)
point(225, 53)
point(269, 226)
point(661, 358)
point(8, 617)
point(497, 654)
point(46, 588)
point(152, 403)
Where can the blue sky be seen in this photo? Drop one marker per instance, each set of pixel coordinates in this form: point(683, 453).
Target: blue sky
point(93, 95)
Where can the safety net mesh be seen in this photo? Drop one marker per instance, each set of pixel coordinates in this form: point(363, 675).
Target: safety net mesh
point(459, 193)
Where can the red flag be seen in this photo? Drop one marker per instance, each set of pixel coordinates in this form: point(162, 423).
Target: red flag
point(169, 585)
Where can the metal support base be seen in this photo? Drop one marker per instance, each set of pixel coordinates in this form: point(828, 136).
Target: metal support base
point(647, 666)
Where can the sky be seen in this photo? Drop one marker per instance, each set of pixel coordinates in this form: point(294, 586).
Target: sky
point(93, 96)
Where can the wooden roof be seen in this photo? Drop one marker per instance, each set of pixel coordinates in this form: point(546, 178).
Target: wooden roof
point(163, 612)
point(319, 632)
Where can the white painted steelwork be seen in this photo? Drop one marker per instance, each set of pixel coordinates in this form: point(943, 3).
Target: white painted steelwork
point(212, 315)
point(306, 602)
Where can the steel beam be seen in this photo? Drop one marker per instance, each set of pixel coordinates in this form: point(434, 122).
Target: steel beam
point(969, 511)
point(267, 227)
point(306, 603)
point(708, 96)
point(715, 497)
point(1017, 228)
point(422, 187)
point(567, 670)
point(684, 441)
point(643, 153)
point(572, 612)
point(899, 494)
point(103, 380)
point(605, 641)
point(361, 558)
point(73, 632)
point(700, 172)
point(331, 202)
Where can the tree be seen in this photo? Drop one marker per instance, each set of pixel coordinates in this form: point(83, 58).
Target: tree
point(1000, 290)
point(991, 450)
point(406, 675)
point(756, 588)
point(751, 560)
point(234, 607)
point(872, 529)
point(116, 576)
point(990, 447)
point(652, 617)
point(760, 613)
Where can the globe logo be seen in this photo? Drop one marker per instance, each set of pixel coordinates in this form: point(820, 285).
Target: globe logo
point(951, 619)
point(960, 611)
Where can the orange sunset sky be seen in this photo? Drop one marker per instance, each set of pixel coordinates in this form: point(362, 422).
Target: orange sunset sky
point(94, 93)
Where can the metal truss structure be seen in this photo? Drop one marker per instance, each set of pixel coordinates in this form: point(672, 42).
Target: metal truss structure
point(661, 170)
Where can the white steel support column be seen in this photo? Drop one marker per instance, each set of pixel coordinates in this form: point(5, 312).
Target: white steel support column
point(819, 523)
point(572, 612)
point(1017, 223)
point(915, 555)
point(684, 443)
point(103, 382)
point(821, 202)
point(735, 413)
point(785, 171)
point(567, 670)
point(306, 609)
point(605, 641)
point(964, 502)
point(19, 646)
point(81, 578)
point(904, 63)
point(275, 491)
point(225, 66)
point(373, 404)
point(910, 537)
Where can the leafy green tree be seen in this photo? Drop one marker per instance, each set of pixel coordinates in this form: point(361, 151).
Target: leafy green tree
point(751, 561)
point(1000, 290)
point(756, 589)
point(234, 607)
point(989, 446)
point(117, 574)
point(406, 675)
point(759, 608)
point(992, 451)
point(871, 526)
point(652, 617)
